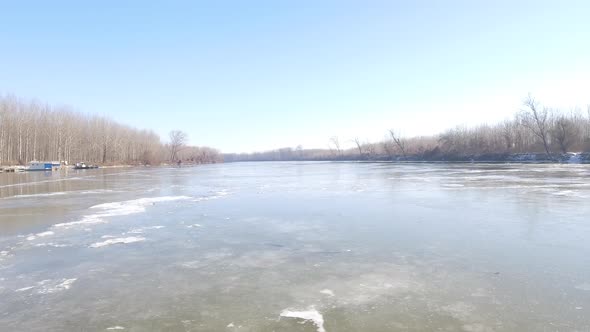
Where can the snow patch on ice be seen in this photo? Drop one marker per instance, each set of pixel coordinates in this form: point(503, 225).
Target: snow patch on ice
point(39, 195)
point(569, 193)
point(122, 240)
point(585, 286)
point(327, 292)
point(116, 328)
point(123, 208)
point(42, 234)
point(24, 289)
point(63, 284)
point(217, 195)
point(453, 185)
point(4, 254)
point(50, 286)
point(311, 315)
point(574, 158)
point(140, 230)
point(51, 244)
point(98, 191)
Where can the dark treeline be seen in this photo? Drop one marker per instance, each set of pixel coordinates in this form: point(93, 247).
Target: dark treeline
point(545, 132)
point(30, 130)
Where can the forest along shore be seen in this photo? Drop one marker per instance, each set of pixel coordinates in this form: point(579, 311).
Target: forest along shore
point(34, 131)
point(536, 133)
point(565, 158)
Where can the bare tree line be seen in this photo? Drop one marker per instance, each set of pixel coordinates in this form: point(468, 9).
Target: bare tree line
point(535, 129)
point(30, 130)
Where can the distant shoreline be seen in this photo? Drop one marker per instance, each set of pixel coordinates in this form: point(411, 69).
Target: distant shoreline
point(518, 158)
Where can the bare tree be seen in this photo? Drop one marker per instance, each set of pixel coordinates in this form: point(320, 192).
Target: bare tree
point(359, 146)
point(399, 142)
point(336, 142)
point(178, 140)
point(537, 121)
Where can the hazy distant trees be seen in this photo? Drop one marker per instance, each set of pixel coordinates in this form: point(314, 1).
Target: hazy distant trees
point(199, 155)
point(31, 130)
point(535, 129)
point(387, 148)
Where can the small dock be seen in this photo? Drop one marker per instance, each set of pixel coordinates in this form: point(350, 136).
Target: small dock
point(12, 169)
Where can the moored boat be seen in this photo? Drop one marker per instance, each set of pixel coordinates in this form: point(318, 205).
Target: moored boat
point(43, 166)
point(84, 166)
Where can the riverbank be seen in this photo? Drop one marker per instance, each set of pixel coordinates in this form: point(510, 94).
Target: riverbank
point(565, 158)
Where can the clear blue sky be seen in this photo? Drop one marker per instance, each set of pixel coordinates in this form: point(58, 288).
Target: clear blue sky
point(255, 75)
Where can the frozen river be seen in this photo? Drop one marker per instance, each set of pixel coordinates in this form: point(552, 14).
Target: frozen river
point(297, 247)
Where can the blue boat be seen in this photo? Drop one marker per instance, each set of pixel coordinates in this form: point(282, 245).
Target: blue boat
point(43, 166)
